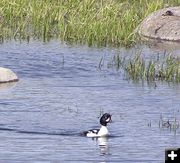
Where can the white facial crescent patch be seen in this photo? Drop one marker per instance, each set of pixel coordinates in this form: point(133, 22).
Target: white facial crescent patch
point(107, 120)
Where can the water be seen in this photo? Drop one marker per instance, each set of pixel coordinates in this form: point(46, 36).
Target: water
point(62, 92)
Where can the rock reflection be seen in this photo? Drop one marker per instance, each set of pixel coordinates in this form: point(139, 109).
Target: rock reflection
point(7, 85)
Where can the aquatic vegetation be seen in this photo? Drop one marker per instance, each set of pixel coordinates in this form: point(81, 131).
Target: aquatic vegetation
point(169, 123)
point(137, 68)
point(103, 22)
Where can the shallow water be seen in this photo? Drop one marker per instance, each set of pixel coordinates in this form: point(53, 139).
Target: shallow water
point(62, 92)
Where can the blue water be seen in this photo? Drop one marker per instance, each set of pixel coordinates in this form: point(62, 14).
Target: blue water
point(62, 92)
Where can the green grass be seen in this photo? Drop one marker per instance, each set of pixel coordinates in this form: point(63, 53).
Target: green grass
point(92, 22)
point(166, 68)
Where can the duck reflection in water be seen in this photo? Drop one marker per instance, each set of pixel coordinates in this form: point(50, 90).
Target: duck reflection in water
point(103, 145)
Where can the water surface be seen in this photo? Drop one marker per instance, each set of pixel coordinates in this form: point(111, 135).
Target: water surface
point(62, 92)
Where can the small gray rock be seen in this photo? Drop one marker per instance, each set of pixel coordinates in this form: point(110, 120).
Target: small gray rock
point(7, 75)
point(163, 24)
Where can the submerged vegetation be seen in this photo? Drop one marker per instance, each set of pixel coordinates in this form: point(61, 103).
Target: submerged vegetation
point(93, 22)
point(166, 68)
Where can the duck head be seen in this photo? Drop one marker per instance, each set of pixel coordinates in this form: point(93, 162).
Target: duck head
point(105, 119)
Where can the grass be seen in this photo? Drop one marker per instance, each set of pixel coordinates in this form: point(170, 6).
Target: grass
point(92, 22)
point(166, 68)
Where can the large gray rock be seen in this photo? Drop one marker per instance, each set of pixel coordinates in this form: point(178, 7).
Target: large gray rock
point(163, 24)
point(7, 75)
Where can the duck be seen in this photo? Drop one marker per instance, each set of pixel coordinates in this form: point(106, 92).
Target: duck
point(103, 131)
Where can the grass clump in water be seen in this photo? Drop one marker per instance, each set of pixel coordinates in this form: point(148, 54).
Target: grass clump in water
point(102, 22)
point(137, 68)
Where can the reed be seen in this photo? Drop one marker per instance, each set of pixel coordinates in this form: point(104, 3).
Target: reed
point(136, 68)
point(92, 22)
point(172, 123)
